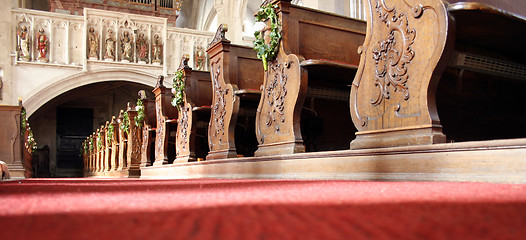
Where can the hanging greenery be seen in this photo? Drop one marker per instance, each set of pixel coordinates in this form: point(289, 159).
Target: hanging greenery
point(23, 120)
point(125, 126)
point(99, 140)
point(91, 144)
point(178, 88)
point(266, 52)
point(110, 133)
point(139, 119)
point(29, 143)
point(85, 147)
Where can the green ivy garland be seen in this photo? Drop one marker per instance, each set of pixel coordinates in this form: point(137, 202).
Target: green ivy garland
point(23, 120)
point(91, 144)
point(110, 134)
point(99, 140)
point(29, 143)
point(266, 52)
point(85, 146)
point(139, 119)
point(178, 88)
point(125, 126)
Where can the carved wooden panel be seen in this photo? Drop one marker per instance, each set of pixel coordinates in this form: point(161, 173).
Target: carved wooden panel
point(185, 151)
point(194, 112)
point(390, 95)
point(134, 143)
point(162, 111)
point(279, 111)
point(224, 103)
point(10, 137)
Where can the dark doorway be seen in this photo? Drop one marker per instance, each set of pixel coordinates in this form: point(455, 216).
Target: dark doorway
point(74, 125)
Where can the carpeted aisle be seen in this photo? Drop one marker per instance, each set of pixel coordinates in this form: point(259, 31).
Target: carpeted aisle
point(259, 209)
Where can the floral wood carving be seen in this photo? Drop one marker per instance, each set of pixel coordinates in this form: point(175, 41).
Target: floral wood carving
point(159, 134)
point(392, 55)
point(276, 93)
point(219, 108)
point(184, 126)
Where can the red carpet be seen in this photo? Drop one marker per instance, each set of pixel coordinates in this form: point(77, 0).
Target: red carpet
point(260, 209)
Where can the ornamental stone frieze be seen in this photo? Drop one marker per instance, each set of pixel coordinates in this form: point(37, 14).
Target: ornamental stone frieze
point(104, 37)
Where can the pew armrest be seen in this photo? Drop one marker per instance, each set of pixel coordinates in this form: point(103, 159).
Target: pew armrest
point(252, 94)
point(247, 92)
point(171, 121)
point(327, 63)
point(202, 109)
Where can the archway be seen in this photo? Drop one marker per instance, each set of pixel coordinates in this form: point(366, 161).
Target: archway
point(53, 88)
point(67, 111)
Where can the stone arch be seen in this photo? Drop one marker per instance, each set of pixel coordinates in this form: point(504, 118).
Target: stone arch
point(51, 89)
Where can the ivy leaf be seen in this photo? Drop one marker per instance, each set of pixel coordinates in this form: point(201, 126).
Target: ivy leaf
point(267, 52)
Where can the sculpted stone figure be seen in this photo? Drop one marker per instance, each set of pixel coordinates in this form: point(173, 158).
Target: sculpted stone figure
point(43, 45)
point(157, 48)
point(109, 54)
point(23, 44)
point(142, 48)
point(126, 47)
point(200, 58)
point(93, 44)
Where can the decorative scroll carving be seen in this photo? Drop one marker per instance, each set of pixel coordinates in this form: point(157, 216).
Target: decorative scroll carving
point(217, 121)
point(279, 111)
point(276, 91)
point(392, 55)
point(220, 35)
point(402, 59)
point(159, 133)
point(183, 127)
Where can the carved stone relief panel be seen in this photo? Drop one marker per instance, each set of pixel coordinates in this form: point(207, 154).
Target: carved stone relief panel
point(157, 45)
point(24, 37)
point(126, 39)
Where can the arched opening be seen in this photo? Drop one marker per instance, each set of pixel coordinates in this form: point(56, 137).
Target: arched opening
point(61, 124)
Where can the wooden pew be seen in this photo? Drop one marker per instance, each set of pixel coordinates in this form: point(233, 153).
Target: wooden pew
point(148, 130)
point(123, 140)
point(192, 137)
point(133, 164)
point(237, 76)
point(418, 53)
point(113, 133)
point(166, 124)
point(99, 153)
point(107, 147)
point(316, 60)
